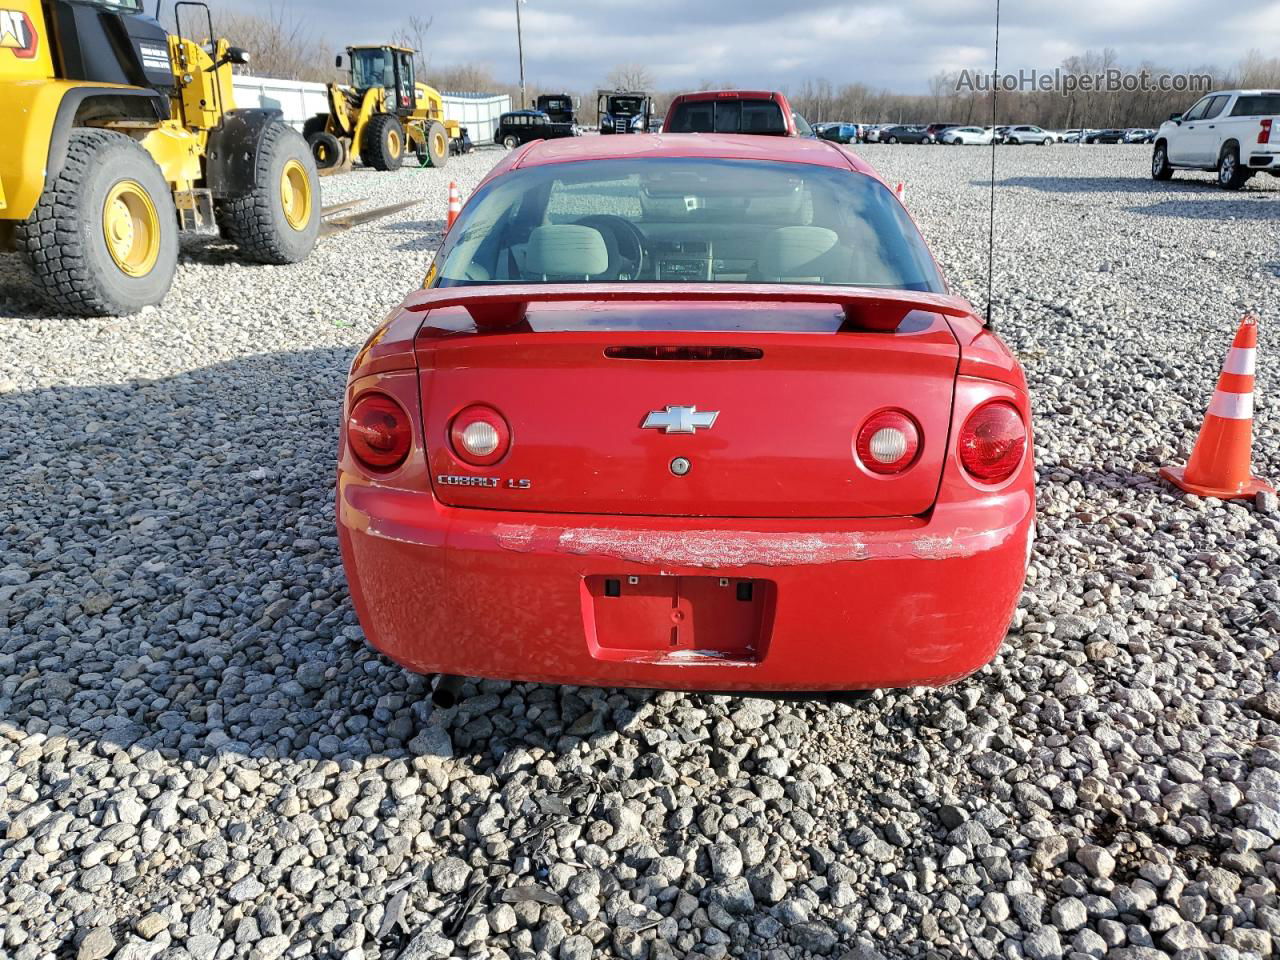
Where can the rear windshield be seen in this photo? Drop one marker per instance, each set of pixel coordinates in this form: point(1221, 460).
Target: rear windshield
point(1257, 105)
point(728, 116)
point(687, 220)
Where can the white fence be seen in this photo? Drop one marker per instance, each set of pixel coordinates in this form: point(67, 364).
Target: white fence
point(478, 112)
point(299, 100)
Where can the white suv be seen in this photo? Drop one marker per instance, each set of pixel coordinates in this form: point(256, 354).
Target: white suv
point(1233, 132)
point(1029, 134)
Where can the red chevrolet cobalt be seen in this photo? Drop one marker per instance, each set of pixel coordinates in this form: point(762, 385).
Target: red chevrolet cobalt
point(691, 412)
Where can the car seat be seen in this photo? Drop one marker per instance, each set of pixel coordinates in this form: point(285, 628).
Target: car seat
point(565, 251)
point(801, 255)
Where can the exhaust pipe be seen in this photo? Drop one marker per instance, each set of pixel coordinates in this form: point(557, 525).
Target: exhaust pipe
point(445, 692)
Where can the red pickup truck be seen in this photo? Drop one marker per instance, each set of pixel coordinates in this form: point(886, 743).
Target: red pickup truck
point(760, 112)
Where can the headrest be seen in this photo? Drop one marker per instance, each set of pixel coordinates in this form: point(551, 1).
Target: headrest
point(796, 252)
point(566, 250)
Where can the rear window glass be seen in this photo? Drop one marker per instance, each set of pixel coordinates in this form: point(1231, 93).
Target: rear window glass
point(1257, 105)
point(728, 116)
point(687, 220)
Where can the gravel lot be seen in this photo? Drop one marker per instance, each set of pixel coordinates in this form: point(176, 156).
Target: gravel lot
point(200, 758)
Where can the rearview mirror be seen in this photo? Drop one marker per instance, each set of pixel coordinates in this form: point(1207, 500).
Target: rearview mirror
point(1175, 117)
point(337, 61)
point(238, 55)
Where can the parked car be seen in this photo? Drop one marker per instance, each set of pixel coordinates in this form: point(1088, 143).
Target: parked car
point(702, 293)
point(871, 132)
point(1233, 132)
point(521, 126)
point(934, 131)
point(967, 135)
point(1112, 135)
point(763, 112)
point(1140, 135)
point(1027, 133)
point(904, 134)
point(838, 132)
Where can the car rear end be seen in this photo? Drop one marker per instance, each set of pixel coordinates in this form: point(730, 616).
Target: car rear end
point(853, 532)
point(1257, 114)
point(780, 486)
point(756, 112)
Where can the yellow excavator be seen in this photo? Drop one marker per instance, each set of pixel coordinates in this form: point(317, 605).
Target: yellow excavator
point(382, 114)
point(116, 135)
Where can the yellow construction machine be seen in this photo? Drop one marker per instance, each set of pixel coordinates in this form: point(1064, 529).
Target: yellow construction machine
point(381, 114)
point(116, 135)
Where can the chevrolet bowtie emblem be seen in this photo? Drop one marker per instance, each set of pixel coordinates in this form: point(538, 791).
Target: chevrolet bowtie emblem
point(680, 420)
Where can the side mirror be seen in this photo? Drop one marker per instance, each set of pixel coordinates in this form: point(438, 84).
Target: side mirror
point(237, 55)
point(337, 61)
point(1175, 117)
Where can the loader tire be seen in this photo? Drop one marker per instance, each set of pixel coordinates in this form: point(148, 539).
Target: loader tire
point(317, 124)
point(279, 219)
point(326, 150)
point(436, 152)
point(103, 238)
point(383, 145)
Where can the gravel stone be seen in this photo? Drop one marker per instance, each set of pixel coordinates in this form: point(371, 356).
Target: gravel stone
point(1043, 944)
point(1069, 915)
point(97, 944)
point(1096, 860)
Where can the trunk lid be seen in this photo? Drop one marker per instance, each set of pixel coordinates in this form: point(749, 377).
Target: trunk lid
point(578, 382)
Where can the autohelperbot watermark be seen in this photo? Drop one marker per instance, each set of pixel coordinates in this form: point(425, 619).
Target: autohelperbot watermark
point(1068, 82)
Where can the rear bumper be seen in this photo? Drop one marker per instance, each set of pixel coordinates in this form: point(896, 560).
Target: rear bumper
point(852, 604)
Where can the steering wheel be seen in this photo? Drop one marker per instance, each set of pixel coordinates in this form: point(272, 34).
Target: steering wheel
point(628, 242)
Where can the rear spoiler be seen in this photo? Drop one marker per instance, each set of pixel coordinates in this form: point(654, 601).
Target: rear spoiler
point(494, 308)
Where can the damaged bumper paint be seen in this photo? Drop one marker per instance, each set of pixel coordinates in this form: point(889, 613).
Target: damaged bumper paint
point(833, 604)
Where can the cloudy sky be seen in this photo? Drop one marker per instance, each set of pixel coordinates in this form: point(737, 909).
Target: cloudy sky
point(896, 45)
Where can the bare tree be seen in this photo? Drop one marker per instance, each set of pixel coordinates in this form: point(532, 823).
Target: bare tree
point(630, 76)
point(468, 78)
point(413, 34)
point(1256, 71)
point(279, 44)
point(941, 86)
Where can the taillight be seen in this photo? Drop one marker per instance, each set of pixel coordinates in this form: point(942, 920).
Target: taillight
point(992, 442)
point(379, 432)
point(888, 442)
point(480, 436)
point(1264, 135)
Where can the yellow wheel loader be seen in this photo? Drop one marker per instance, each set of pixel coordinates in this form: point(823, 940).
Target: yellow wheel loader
point(115, 136)
point(381, 115)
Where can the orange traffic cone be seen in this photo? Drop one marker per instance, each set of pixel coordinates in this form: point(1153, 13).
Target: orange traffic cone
point(455, 203)
point(901, 191)
point(1220, 465)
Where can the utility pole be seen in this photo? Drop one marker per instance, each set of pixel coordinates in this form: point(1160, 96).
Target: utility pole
point(524, 99)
